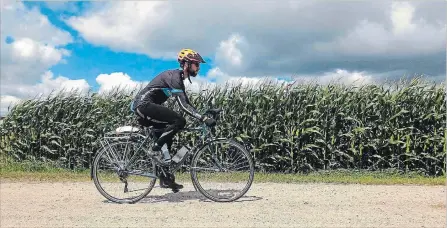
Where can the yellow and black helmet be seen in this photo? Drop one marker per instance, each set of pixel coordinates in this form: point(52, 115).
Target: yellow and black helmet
point(188, 55)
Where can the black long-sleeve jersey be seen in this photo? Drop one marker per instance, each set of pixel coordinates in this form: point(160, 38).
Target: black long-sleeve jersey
point(166, 84)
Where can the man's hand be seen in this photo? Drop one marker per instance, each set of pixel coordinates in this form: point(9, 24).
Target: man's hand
point(210, 122)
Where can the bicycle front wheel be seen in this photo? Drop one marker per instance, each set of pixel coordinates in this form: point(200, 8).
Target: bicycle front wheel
point(123, 175)
point(223, 171)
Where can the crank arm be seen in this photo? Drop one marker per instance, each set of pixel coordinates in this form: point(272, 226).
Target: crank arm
point(141, 173)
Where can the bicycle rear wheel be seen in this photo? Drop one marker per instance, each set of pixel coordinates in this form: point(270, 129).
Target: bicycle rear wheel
point(211, 170)
point(132, 183)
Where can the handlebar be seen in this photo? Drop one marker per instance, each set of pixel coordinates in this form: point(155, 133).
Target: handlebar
point(214, 112)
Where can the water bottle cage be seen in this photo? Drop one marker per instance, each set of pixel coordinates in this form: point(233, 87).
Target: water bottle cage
point(180, 155)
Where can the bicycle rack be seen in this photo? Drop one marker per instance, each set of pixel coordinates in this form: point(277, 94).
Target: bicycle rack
point(123, 134)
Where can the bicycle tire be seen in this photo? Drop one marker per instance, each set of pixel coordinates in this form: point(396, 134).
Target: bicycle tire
point(108, 196)
point(196, 183)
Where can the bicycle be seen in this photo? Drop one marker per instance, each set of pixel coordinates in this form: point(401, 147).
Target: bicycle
point(143, 137)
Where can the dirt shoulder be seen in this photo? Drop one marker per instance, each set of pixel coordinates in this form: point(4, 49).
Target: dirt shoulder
point(265, 205)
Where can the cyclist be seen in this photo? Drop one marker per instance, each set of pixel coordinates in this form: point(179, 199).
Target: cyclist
point(147, 104)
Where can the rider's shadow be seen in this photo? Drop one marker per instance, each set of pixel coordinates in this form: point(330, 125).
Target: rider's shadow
point(188, 195)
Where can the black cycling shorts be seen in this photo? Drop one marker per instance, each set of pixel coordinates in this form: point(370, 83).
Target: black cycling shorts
point(160, 116)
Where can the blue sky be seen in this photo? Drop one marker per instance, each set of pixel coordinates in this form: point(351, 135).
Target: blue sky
point(98, 45)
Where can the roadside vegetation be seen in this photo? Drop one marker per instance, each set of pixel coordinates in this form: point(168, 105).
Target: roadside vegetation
point(371, 134)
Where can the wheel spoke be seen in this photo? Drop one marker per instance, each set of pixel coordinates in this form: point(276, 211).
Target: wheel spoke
point(130, 185)
point(217, 185)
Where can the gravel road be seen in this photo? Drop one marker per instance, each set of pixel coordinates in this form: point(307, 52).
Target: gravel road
point(265, 205)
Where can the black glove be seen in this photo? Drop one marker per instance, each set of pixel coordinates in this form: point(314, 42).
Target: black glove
point(210, 122)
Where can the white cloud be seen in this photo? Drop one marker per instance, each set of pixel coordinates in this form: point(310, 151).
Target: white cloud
point(36, 46)
point(272, 38)
point(338, 76)
point(229, 52)
point(6, 103)
point(406, 36)
point(117, 80)
point(215, 77)
point(20, 22)
point(25, 59)
point(28, 49)
point(48, 85)
point(124, 25)
point(402, 16)
point(224, 78)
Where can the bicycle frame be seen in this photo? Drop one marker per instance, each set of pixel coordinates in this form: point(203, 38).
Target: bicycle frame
point(144, 139)
point(207, 137)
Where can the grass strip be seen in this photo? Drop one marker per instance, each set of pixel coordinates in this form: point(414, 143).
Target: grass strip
point(38, 172)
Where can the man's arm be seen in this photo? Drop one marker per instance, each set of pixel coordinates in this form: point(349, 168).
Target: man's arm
point(178, 91)
point(183, 101)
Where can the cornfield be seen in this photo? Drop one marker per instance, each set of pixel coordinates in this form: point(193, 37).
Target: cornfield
point(306, 128)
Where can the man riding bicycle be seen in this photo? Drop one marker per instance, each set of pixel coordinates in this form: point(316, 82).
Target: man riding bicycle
point(147, 104)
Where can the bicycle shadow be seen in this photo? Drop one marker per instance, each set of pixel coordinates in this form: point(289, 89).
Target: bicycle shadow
point(184, 196)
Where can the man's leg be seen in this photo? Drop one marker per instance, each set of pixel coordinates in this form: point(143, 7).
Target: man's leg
point(160, 113)
point(176, 122)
